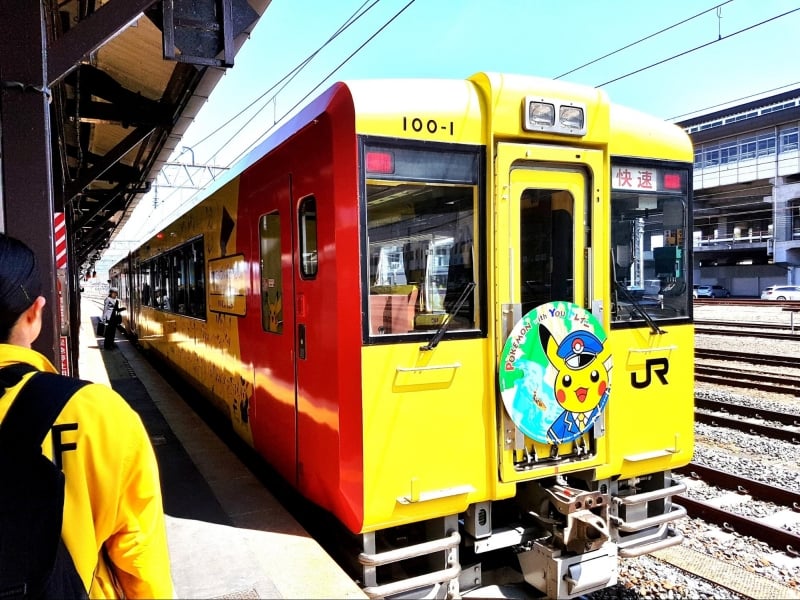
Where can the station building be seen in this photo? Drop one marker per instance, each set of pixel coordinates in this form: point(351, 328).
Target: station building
point(747, 194)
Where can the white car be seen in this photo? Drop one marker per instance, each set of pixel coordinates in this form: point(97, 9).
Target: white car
point(781, 292)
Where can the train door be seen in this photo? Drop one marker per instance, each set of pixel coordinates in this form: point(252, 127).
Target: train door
point(545, 216)
point(275, 394)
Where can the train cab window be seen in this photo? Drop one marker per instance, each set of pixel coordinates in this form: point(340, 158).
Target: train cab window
point(421, 240)
point(307, 217)
point(546, 244)
point(271, 282)
point(650, 216)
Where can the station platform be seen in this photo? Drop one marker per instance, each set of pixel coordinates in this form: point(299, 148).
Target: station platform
point(228, 535)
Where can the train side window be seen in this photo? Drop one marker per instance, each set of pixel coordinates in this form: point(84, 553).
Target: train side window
point(178, 280)
point(271, 283)
point(162, 295)
point(197, 280)
point(307, 214)
point(144, 278)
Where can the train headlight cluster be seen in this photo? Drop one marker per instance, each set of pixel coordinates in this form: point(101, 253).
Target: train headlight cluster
point(545, 115)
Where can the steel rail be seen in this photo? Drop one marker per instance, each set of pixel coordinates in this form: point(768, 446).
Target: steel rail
point(778, 433)
point(759, 359)
point(749, 412)
point(774, 536)
point(744, 332)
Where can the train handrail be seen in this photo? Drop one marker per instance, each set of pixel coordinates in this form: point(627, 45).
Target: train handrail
point(676, 512)
point(416, 496)
point(674, 538)
point(658, 349)
point(404, 585)
point(675, 488)
point(390, 556)
point(455, 365)
point(446, 544)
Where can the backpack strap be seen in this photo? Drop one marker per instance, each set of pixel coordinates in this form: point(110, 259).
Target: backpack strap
point(36, 407)
point(11, 375)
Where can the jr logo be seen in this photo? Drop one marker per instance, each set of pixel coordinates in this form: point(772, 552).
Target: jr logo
point(659, 366)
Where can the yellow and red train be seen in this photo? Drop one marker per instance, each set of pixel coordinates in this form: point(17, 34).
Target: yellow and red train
point(412, 301)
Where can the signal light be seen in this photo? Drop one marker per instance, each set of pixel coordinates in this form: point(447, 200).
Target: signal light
point(380, 162)
point(672, 181)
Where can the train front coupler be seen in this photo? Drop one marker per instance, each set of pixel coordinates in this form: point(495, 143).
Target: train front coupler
point(576, 557)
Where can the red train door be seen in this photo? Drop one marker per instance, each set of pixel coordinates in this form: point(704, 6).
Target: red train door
point(274, 423)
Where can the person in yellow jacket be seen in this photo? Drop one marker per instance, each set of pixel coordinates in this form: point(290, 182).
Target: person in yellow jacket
point(113, 522)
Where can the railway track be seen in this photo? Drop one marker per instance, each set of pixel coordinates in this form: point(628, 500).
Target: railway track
point(748, 357)
point(714, 512)
point(778, 384)
point(756, 302)
point(745, 325)
point(737, 330)
point(748, 420)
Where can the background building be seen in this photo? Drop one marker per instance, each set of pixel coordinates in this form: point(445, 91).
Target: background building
point(747, 194)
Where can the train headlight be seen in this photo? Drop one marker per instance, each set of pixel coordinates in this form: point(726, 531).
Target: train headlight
point(572, 117)
point(542, 114)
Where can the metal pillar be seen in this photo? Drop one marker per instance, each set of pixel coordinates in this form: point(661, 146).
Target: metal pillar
point(26, 194)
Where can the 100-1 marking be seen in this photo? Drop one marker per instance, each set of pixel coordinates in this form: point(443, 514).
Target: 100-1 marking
point(431, 125)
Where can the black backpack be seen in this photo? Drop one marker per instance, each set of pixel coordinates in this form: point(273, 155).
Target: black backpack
point(34, 562)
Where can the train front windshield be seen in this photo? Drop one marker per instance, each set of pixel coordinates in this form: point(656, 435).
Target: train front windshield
point(650, 212)
point(421, 214)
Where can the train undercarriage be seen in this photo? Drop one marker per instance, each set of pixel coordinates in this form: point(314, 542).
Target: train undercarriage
point(561, 537)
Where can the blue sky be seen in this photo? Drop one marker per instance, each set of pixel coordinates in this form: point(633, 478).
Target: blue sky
point(723, 56)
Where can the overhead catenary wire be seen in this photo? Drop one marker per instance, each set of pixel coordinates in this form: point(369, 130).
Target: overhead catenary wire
point(639, 41)
point(243, 153)
point(323, 80)
point(701, 46)
point(291, 74)
point(720, 37)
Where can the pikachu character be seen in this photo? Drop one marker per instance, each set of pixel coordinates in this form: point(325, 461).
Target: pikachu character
point(582, 383)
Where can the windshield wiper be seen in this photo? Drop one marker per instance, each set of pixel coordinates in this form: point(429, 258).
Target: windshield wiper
point(639, 308)
point(437, 337)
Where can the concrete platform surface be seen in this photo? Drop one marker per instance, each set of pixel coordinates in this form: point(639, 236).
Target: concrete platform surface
point(228, 536)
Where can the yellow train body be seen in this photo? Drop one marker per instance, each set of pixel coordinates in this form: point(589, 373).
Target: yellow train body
point(455, 306)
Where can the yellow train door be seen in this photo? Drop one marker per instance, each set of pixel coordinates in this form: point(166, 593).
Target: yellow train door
point(545, 237)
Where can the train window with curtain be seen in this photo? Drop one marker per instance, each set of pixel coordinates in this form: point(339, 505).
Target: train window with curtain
point(271, 283)
point(307, 218)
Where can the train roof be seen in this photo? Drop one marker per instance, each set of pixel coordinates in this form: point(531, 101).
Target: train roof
point(380, 105)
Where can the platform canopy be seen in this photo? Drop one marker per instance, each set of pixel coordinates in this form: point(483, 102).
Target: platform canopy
point(125, 78)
